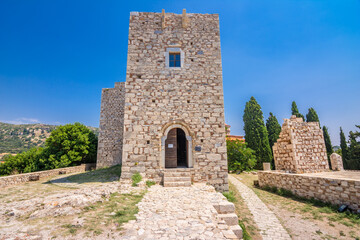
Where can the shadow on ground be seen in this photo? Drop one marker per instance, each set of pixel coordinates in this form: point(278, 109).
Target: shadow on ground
point(96, 176)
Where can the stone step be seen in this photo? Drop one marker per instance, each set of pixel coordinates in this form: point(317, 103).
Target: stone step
point(177, 179)
point(237, 231)
point(177, 174)
point(225, 207)
point(230, 218)
point(177, 184)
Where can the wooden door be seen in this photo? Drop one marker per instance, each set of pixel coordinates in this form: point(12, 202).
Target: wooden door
point(171, 149)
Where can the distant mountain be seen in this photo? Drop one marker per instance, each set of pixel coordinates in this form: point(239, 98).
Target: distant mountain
point(19, 138)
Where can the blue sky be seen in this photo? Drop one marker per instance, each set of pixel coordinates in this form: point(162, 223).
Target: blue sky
point(55, 56)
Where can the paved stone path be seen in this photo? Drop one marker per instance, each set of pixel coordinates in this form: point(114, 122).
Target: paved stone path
point(270, 227)
point(178, 213)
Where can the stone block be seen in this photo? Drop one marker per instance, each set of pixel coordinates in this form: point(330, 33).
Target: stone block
point(230, 218)
point(336, 162)
point(237, 231)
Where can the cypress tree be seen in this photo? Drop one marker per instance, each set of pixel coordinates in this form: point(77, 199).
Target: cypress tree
point(344, 149)
point(354, 151)
point(295, 111)
point(256, 135)
point(312, 116)
point(329, 149)
point(273, 127)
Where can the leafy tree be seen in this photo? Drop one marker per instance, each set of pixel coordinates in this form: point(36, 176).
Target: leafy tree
point(69, 145)
point(273, 128)
point(312, 116)
point(329, 149)
point(354, 150)
point(344, 149)
point(21, 163)
point(295, 111)
point(240, 157)
point(256, 135)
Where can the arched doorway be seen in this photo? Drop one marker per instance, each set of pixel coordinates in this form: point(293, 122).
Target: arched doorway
point(176, 149)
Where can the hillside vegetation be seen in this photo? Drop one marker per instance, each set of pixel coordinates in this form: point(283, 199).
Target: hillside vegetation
point(20, 138)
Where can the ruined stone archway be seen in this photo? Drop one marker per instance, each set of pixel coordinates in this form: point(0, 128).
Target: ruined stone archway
point(182, 127)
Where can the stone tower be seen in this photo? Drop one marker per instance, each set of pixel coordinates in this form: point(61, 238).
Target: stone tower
point(170, 112)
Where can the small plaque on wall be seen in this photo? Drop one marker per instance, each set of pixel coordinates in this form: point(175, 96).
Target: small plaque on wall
point(197, 148)
point(170, 146)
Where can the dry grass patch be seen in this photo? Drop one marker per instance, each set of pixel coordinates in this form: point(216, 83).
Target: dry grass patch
point(244, 215)
point(318, 220)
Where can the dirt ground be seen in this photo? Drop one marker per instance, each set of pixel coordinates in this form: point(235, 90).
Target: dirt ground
point(302, 220)
point(89, 205)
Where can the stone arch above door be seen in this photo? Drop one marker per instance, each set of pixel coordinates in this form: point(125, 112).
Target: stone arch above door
point(165, 130)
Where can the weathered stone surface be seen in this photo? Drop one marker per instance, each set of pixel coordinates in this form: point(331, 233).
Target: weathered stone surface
point(300, 147)
point(336, 162)
point(111, 126)
point(136, 115)
point(266, 166)
point(180, 213)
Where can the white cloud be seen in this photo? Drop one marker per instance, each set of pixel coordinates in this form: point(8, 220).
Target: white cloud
point(22, 120)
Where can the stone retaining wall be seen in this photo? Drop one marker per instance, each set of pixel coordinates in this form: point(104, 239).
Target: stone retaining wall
point(335, 191)
point(34, 176)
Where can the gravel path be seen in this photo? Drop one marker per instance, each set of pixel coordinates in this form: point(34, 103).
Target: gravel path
point(270, 227)
point(178, 213)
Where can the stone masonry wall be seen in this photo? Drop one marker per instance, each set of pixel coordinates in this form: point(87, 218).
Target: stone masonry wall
point(335, 191)
point(111, 126)
point(157, 96)
point(300, 147)
point(26, 177)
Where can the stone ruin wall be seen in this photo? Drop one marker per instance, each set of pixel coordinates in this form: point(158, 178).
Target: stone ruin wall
point(157, 95)
point(335, 191)
point(35, 176)
point(300, 147)
point(111, 126)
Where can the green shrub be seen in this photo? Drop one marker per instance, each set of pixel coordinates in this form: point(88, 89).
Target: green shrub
point(230, 196)
point(136, 178)
point(24, 162)
point(68, 145)
point(240, 157)
point(150, 183)
point(246, 235)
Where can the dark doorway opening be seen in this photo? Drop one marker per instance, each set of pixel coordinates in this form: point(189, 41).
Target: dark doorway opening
point(176, 149)
point(181, 148)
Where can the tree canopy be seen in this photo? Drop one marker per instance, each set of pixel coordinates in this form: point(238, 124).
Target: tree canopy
point(240, 157)
point(354, 150)
point(312, 116)
point(328, 145)
point(273, 128)
point(67, 145)
point(295, 111)
point(344, 149)
point(256, 135)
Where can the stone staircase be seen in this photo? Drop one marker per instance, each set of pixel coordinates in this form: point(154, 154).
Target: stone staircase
point(177, 177)
point(226, 212)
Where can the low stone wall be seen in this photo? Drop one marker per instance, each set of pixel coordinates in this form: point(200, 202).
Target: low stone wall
point(335, 191)
point(34, 176)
